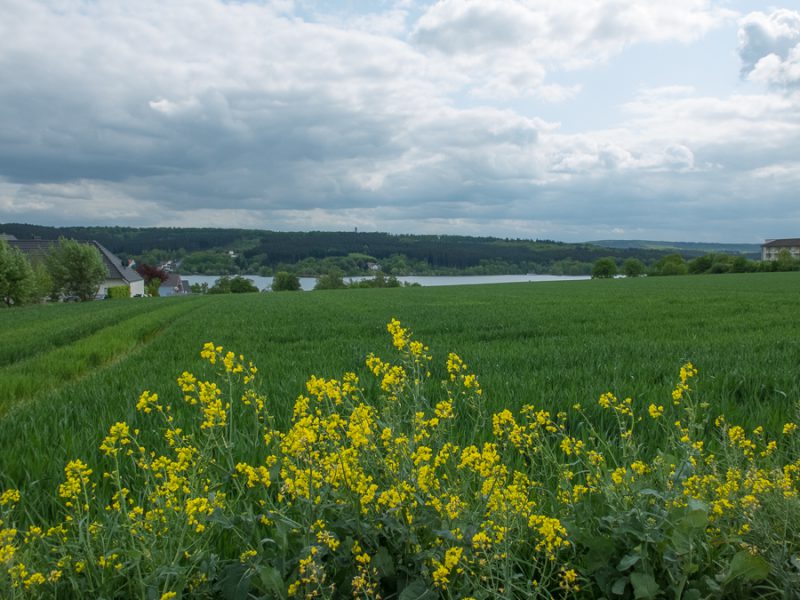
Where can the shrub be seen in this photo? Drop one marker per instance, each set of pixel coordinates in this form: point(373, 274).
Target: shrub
point(285, 282)
point(604, 268)
point(119, 291)
point(633, 267)
point(332, 280)
point(366, 492)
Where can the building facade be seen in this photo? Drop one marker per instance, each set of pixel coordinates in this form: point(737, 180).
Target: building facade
point(772, 248)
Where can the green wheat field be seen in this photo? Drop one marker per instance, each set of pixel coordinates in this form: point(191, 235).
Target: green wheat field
point(70, 372)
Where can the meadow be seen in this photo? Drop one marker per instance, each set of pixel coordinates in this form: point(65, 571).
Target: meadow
point(70, 372)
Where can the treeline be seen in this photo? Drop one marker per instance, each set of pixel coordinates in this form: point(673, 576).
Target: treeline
point(707, 264)
point(69, 271)
point(247, 251)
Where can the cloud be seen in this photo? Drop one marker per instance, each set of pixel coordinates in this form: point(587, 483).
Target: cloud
point(511, 45)
point(769, 47)
point(269, 114)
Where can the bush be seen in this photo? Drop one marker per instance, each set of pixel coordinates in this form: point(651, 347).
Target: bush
point(119, 291)
point(633, 267)
point(241, 285)
point(604, 268)
point(332, 280)
point(367, 492)
point(283, 281)
point(672, 264)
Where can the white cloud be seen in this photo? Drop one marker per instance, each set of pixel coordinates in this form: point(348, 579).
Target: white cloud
point(769, 47)
point(509, 46)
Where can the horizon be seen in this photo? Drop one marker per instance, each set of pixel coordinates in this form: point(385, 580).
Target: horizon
point(266, 230)
point(522, 119)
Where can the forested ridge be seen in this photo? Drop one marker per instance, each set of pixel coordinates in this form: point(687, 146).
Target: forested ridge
point(212, 250)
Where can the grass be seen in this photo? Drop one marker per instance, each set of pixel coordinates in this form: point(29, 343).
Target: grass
point(602, 500)
point(550, 344)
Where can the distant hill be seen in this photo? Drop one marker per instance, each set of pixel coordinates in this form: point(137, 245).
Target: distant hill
point(749, 250)
point(253, 251)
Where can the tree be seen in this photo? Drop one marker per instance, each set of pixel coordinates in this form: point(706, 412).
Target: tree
point(332, 280)
point(153, 278)
point(17, 282)
point(604, 268)
point(633, 267)
point(785, 261)
point(285, 282)
point(242, 285)
point(76, 269)
point(671, 264)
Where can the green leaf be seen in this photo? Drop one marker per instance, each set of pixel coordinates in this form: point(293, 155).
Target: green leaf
point(748, 567)
point(416, 590)
point(644, 586)
point(383, 562)
point(618, 589)
point(271, 581)
point(628, 561)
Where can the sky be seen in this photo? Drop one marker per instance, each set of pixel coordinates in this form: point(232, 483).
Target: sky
point(570, 120)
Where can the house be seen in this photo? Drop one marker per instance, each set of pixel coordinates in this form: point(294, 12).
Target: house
point(173, 286)
point(772, 248)
point(118, 273)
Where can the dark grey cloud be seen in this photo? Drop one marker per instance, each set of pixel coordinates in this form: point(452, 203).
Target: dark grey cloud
point(246, 114)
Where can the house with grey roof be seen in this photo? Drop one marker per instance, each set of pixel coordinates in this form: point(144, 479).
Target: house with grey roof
point(772, 248)
point(118, 273)
point(173, 286)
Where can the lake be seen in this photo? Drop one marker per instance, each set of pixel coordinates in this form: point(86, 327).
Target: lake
point(308, 283)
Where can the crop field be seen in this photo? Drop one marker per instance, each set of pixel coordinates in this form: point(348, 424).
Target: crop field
point(70, 372)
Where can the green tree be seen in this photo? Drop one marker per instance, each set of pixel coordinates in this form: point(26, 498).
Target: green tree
point(332, 280)
point(76, 269)
point(17, 282)
point(701, 264)
point(785, 262)
point(43, 283)
point(671, 264)
point(285, 282)
point(633, 267)
point(604, 268)
point(242, 285)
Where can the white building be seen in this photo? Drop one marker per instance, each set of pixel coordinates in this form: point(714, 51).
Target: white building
point(772, 248)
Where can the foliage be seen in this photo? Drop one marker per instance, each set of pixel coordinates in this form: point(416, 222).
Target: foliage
point(633, 267)
point(76, 269)
point(367, 492)
point(604, 268)
point(786, 262)
point(232, 285)
point(229, 251)
point(199, 288)
point(672, 264)
point(285, 282)
point(116, 292)
point(379, 281)
point(241, 285)
point(42, 283)
point(17, 281)
point(151, 272)
point(332, 280)
point(153, 288)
